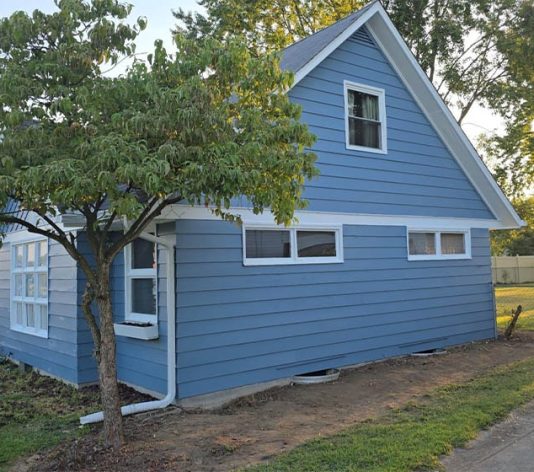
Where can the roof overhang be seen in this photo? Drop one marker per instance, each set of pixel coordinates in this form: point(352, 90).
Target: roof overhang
point(410, 72)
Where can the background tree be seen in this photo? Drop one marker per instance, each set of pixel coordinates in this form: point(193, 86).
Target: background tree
point(516, 242)
point(513, 150)
point(201, 126)
point(474, 51)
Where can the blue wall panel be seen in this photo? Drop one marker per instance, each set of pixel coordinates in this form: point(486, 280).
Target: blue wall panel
point(141, 363)
point(417, 176)
point(239, 325)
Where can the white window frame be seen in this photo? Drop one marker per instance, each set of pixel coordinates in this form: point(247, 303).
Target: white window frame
point(437, 242)
point(294, 258)
point(35, 301)
point(381, 94)
point(129, 275)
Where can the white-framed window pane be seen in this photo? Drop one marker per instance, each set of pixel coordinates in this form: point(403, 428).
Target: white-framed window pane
point(364, 133)
point(143, 254)
point(30, 286)
point(43, 285)
point(422, 244)
point(267, 243)
point(19, 256)
point(30, 255)
point(43, 253)
point(316, 243)
point(30, 282)
point(143, 296)
point(43, 311)
point(452, 243)
point(30, 315)
point(19, 285)
point(19, 313)
point(363, 105)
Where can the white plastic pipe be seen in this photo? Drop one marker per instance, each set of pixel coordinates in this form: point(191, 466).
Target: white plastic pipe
point(171, 346)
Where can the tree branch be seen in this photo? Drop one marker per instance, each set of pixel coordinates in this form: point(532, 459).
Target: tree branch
point(63, 240)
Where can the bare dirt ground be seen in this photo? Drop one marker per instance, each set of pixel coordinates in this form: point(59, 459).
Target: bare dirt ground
point(256, 428)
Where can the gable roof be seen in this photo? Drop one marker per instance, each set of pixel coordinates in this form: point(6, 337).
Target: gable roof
point(304, 55)
point(298, 54)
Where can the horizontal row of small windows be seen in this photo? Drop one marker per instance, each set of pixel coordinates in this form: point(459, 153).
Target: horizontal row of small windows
point(266, 246)
point(290, 246)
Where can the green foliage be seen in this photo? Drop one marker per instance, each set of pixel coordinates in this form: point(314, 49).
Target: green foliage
point(204, 125)
point(516, 242)
point(413, 437)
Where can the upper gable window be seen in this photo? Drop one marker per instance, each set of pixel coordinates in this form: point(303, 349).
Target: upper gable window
point(365, 118)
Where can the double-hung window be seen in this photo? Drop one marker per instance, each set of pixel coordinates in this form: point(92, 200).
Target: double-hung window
point(29, 288)
point(446, 244)
point(365, 118)
point(141, 281)
point(273, 246)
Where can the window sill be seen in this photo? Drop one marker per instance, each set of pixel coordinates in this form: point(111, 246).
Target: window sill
point(131, 329)
point(353, 147)
point(31, 332)
point(439, 258)
point(290, 261)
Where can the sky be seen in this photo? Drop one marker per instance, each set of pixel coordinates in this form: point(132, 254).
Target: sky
point(160, 22)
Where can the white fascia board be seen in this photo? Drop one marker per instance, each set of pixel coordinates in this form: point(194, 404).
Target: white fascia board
point(311, 219)
point(424, 93)
point(331, 47)
point(401, 58)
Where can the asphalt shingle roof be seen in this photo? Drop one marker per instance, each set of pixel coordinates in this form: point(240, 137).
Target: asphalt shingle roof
point(298, 54)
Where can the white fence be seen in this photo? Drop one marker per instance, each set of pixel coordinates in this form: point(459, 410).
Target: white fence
point(512, 269)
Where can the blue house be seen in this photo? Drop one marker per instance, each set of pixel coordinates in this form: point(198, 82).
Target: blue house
point(391, 257)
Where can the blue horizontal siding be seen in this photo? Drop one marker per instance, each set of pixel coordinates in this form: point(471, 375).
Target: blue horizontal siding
point(140, 363)
point(239, 325)
point(418, 172)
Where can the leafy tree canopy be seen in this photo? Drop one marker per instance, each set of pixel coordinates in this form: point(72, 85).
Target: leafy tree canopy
point(205, 124)
point(517, 242)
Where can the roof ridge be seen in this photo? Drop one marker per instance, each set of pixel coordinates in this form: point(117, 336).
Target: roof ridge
point(296, 55)
point(355, 12)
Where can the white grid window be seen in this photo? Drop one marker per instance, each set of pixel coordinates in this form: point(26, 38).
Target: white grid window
point(443, 244)
point(141, 281)
point(29, 288)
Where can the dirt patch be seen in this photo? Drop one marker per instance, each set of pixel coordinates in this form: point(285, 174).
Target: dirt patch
point(256, 428)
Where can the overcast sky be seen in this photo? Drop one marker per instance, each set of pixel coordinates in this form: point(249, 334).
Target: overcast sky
point(160, 21)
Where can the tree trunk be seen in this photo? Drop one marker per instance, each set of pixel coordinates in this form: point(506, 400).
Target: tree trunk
point(511, 326)
point(107, 366)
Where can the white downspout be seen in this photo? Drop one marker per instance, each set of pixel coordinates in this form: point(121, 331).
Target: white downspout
point(171, 345)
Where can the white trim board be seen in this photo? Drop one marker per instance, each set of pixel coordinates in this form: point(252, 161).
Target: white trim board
point(322, 219)
point(402, 60)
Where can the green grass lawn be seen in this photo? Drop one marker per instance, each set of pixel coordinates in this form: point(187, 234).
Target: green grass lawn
point(413, 437)
point(37, 412)
point(508, 297)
